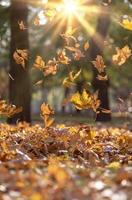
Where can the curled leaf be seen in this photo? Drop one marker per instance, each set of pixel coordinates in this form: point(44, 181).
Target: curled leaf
point(21, 56)
point(21, 25)
point(46, 111)
point(8, 110)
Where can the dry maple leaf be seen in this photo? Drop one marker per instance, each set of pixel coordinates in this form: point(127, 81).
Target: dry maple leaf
point(85, 100)
point(46, 111)
point(69, 81)
point(62, 58)
point(50, 68)
point(77, 53)
point(20, 57)
point(39, 63)
point(8, 110)
point(122, 55)
point(73, 76)
point(99, 64)
point(68, 36)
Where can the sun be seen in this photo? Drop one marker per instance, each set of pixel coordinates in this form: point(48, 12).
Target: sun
point(70, 6)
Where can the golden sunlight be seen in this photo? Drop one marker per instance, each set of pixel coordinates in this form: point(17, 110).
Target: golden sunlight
point(70, 7)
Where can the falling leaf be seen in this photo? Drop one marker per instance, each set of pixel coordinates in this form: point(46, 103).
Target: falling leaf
point(50, 13)
point(73, 76)
point(121, 100)
point(122, 55)
point(20, 57)
point(47, 69)
point(46, 111)
point(69, 81)
point(37, 21)
point(21, 25)
point(106, 111)
point(62, 58)
point(127, 24)
point(39, 63)
point(39, 82)
point(99, 64)
point(85, 100)
point(8, 110)
point(86, 46)
point(78, 55)
point(68, 36)
point(102, 78)
point(50, 68)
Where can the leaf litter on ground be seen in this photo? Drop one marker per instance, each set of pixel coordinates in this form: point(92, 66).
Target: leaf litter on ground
point(71, 162)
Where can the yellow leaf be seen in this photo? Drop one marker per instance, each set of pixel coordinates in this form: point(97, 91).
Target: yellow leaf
point(114, 165)
point(62, 58)
point(39, 63)
point(86, 46)
point(36, 196)
point(58, 173)
point(46, 111)
point(85, 100)
point(67, 83)
point(8, 110)
point(127, 24)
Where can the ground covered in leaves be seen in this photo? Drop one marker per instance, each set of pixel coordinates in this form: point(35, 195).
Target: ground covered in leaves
point(65, 163)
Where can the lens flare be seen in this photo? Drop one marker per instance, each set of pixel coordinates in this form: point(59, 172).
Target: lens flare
point(70, 7)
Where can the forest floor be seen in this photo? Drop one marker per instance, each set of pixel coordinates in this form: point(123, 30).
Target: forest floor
point(78, 162)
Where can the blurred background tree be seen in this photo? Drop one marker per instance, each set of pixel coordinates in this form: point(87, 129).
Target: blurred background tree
point(19, 84)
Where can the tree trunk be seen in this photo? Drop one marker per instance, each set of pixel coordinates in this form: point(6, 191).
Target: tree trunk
point(96, 48)
point(19, 88)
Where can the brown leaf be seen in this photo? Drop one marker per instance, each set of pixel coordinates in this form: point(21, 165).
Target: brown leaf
point(99, 64)
point(20, 57)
